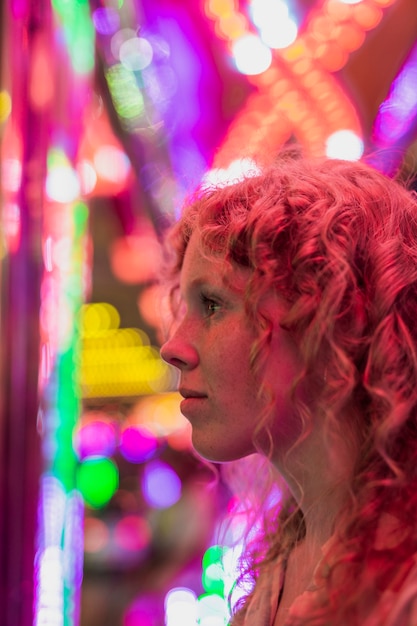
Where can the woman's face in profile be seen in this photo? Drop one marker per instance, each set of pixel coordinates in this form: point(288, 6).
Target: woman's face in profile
point(211, 347)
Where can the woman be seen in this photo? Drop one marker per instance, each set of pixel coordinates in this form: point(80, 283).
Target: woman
point(296, 338)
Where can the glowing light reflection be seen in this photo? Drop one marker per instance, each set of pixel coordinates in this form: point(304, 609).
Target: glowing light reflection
point(236, 171)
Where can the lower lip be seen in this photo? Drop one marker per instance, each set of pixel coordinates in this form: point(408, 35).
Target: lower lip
point(190, 405)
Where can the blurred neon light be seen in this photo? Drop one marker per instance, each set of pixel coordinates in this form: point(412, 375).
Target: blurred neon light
point(11, 224)
point(118, 361)
point(78, 31)
point(59, 558)
point(298, 94)
point(399, 110)
point(60, 551)
point(5, 105)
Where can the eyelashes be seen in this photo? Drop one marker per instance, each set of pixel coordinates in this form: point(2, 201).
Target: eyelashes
point(209, 304)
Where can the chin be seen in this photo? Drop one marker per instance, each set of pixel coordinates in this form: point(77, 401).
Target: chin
point(216, 455)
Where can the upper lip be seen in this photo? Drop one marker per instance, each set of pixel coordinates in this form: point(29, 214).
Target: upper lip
point(190, 393)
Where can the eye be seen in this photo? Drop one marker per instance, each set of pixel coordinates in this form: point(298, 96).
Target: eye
point(210, 305)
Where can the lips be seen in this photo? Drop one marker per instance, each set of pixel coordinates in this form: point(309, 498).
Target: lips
point(190, 393)
point(192, 404)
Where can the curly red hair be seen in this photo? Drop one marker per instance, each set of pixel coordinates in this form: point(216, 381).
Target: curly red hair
point(338, 241)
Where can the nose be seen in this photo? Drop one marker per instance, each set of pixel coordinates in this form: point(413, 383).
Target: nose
point(179, 351)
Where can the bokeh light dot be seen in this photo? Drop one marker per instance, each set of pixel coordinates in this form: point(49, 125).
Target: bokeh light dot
point(344, 144)
point(367, 16)
point(213, 579)
point(180, 607)
point(96, 535)
point(161, 485)
point(279, 35)
point(331, 56)
point(232, 27)
point(136, 53)
point(137, 444)
point(62, 184)
point(132, 533)
point(251, 55)
point(111, 163)
point(350, 37)
point(339, 11)
point(98, 317)
point(97, 480)
point(122, 35)
point(143, 611)
point(95, 438)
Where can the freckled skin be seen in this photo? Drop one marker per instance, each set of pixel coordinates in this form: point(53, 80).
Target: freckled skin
point(211, 347)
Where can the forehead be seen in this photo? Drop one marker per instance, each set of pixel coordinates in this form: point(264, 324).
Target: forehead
point(199, 267)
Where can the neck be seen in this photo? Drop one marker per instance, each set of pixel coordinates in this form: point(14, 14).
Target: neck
point(318, 473)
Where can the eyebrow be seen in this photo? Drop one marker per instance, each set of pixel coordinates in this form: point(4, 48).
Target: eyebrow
point(205, 281)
